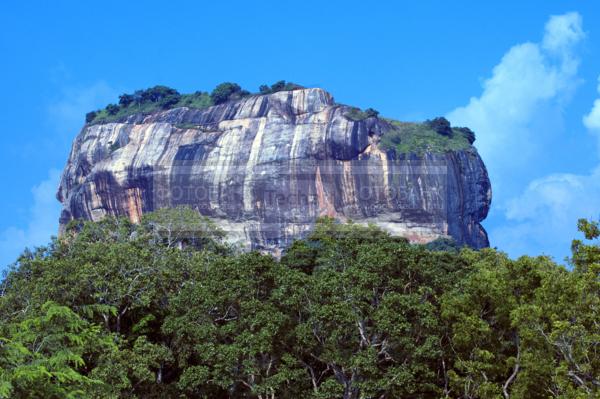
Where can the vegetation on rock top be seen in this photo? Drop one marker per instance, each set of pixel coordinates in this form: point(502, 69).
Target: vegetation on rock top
point(154, 99)
point(281, 85)
point(356, 114)
point(430, 136)
point(434, 136)
point(160, 98)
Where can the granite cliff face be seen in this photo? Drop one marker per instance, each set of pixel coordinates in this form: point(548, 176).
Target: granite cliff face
point(266, 166)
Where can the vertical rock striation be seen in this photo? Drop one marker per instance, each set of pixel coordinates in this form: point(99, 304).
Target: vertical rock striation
point(265, 167)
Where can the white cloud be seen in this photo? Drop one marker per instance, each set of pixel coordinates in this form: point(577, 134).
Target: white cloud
point(527, 88)
point(545, 215)
point(518, 121)
point(66, 115)
point(43, 222)
point(68, 112)
point(592, 119)
point(563, 32)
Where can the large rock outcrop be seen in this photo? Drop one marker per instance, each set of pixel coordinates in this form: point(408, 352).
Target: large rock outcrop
point(265, 167)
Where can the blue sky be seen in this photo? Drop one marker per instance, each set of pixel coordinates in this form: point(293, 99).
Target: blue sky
point(523, 76)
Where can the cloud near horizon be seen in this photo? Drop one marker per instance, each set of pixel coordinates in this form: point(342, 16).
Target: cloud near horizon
point(66, 117)
point(42, 225)
point(545, 213)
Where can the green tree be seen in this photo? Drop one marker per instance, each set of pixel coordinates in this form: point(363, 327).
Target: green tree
point(278, 86)
point(224, 92)
point(371, 113)
point(368, 325)
point(47, 355)
point(264, 89)
point(524, 328)
point(112, 109)
point(231, 332)
point(164, 309)
point(120, 276)
point(158, 93)
point(90, 116)
point(125, 100)
point(440, 125)
point(468, 133)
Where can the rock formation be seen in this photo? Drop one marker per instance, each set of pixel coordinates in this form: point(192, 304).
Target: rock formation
point(266, 167)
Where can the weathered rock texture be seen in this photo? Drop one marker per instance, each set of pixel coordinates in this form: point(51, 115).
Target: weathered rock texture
point(266, 167)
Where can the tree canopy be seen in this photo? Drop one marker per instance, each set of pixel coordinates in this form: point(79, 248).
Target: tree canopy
point(227, 91)
point(166, 309)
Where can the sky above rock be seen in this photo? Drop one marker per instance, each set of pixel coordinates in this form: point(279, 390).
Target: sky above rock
point(524, 77)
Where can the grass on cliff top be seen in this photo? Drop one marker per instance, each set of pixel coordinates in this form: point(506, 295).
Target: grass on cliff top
point(436, 135)
point(418, 138)
point(160, 98)
point(357, 114)
point(198, 100)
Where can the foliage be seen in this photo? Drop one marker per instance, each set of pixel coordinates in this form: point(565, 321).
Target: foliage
point(90, 116)
point(43, 355)
point(371, 113)
point(147, 101)
point(197, 99)
point(125, 99)
point(356, 114)
point(418, 138)
point(281, 85)
point(183, 227)
point(155, 94)
point(468, 133)
point(112, 109)
point(159, 98)
point(227, 92)
point(233, 332)
point(440, 125)
point(524, 329)
point(264, 89)
point(434, 135)
point(443, 244)
point(165, 309)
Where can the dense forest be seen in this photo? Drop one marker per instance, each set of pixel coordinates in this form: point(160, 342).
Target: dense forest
point(166, 309)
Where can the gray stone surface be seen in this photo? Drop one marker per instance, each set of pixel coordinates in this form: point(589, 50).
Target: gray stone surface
point(265, 167)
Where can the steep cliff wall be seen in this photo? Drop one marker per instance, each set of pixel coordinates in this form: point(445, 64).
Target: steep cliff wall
point(265, 167)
